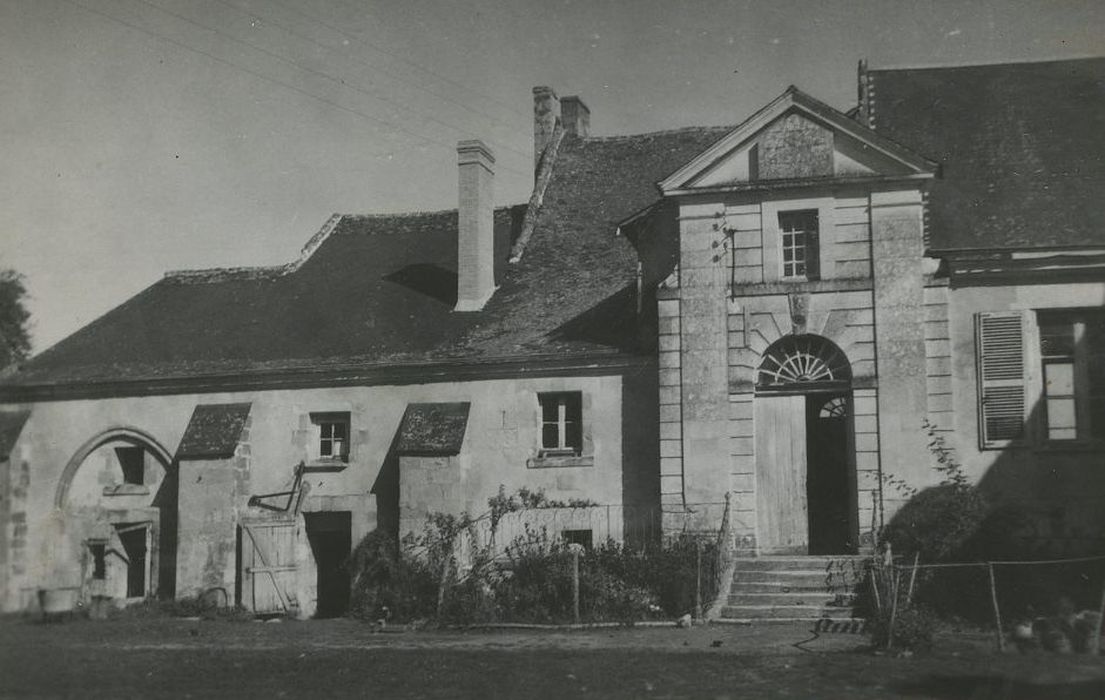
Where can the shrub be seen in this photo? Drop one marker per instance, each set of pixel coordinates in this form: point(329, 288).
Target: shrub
point(913, 629)
point(387, 585)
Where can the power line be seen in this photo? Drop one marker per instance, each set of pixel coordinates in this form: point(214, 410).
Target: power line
point(400, 78)
point(397, 57)
point(287, 86)
point(314, 71)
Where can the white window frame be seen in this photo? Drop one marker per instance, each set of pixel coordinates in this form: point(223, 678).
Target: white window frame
point(1078, 359)
point(562, 398)
point(805, 241)
point(324, 441)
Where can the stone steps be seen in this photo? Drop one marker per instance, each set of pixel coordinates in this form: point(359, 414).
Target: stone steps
point(794, 588)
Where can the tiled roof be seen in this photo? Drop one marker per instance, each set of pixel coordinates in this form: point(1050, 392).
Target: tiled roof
point(213, 431)
point(433, 429)
point(1022, 148)
point(379, 290)
point(11, 424)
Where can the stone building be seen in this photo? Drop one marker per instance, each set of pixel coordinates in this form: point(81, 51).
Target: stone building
point(767, 314)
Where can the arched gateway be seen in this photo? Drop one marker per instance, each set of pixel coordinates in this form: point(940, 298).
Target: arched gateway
point(805, 452)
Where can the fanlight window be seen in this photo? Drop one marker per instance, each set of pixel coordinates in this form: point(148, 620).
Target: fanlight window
point(802, 359)
point(836, 407)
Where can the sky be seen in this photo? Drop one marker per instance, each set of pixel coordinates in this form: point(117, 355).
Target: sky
point(141, 136)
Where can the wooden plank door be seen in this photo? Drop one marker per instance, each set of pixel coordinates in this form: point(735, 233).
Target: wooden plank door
point(269, 566)
point(780, 425)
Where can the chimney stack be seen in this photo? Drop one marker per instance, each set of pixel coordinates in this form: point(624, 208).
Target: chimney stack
point(546, 115)
point(575, 116)
point(475, 225)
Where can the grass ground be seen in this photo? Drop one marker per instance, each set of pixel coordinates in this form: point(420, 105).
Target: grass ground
point(164, 657)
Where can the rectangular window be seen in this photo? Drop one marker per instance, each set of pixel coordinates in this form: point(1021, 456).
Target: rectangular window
point(99, 565)
point(332, 436)
point(133, 462)
point(561, 423)
point(1072, 349)
point(800, 244)
point(581, 537)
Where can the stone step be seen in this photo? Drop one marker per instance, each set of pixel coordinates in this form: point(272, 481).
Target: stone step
point(794, 579)
point(803, 563)
point(792, 598)
point(797, 612)
point(822, 625)
point(790, 585)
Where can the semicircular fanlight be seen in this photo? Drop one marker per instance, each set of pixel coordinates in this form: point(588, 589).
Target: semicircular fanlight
point(802, 359)
point(836, 407)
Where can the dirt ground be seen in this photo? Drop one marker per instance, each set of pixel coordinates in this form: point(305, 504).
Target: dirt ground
point(162, 657)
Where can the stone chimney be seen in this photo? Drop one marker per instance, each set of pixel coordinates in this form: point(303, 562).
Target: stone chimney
point(475, 225)
point(546, 115)
point(575, 116)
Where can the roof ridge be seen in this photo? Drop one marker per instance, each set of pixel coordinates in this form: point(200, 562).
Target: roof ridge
point(661, 132)
point(216, 274)
point(992, 64)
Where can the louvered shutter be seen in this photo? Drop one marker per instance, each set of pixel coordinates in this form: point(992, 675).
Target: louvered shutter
point(1001, 381)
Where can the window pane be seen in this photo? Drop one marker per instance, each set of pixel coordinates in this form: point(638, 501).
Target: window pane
point(550, 436)
point(325, 448)
point(326, 430)
point(1056, 337)
point(339, 431)
point(574, 437)
point(1059, 379)
point(1060, 419)
point(1097, 418)
point(549, 407)
point(574, 407)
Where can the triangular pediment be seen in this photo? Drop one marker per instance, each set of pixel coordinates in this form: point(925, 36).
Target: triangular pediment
point(796, 138)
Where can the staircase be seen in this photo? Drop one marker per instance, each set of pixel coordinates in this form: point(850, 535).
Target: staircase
point(818, 589)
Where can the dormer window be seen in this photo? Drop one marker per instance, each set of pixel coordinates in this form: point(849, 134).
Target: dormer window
point(799, 230)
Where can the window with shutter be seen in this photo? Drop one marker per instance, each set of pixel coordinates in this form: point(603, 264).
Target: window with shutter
point(1001, 381)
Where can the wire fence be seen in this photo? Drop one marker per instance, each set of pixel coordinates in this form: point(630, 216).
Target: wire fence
point(634, 526)
point(1024, 599)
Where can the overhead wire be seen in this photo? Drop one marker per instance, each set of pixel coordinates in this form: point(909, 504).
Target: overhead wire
point(375, 68)
point(397, 57)
point(322, 74)
point(286, 85)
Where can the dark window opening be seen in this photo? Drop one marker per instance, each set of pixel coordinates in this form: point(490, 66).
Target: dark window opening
point(580, 537)
point(561, 423)
point(99, 563)
point(800, 244)
point(133, 462)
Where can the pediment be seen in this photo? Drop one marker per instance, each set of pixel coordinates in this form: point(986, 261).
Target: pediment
point(796, 138)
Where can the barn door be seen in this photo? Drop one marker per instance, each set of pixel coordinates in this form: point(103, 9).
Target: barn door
point(780, 427)
point(268, 569)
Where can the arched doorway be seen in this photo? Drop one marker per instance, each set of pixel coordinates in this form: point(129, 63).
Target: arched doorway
point(805, 452)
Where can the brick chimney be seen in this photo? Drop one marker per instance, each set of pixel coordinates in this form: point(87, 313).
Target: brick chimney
point(475, 225)
point(575, 116)
point(546, 115)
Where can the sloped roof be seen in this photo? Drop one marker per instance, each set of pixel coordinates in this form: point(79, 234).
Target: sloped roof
point(433, 428)
point(379, 290)
point(213, 431)
point(1022, 148)
point(11, 425)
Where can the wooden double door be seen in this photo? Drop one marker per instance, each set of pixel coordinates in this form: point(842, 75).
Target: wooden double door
point(806, 499)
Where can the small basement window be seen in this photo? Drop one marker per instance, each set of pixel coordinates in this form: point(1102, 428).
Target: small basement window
point(561, 423)
point(332, 435)
point(133, 462)
point(583, 538)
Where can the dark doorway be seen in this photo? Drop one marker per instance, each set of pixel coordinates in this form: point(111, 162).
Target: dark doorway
point(830, 478)
point(330, 536)
point(133, 538)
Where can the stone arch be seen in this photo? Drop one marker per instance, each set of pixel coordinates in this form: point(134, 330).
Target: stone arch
point(126, 434)
point(803, 362)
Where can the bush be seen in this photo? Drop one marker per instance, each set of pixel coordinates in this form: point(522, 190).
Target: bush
point(387, 585)
point(913, 629)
